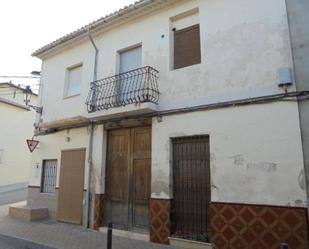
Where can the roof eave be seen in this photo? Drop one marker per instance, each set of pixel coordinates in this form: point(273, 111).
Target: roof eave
point(130, 11)
point(11, 103)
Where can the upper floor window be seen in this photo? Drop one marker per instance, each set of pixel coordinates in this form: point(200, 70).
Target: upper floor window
point(187, 48)
point(74, 81)
point(187, 44)
point(130, 59)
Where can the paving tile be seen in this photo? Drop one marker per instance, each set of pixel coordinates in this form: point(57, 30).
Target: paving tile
point(62, 236)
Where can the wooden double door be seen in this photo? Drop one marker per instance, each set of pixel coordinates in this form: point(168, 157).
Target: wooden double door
point(128, 178)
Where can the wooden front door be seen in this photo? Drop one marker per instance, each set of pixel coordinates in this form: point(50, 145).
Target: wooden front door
point(128, 178)
point(191, 188)
point(71, 186)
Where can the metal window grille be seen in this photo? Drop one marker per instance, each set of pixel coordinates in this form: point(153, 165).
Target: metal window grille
point(49, 176)
point(191, 188)
point(135, 86)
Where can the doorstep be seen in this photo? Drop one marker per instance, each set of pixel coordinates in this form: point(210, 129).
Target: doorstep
point(189, 244)
point(127, 234)
point(28, 213)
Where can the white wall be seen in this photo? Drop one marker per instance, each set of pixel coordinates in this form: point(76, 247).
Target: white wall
point(243, 44)
point(16, 125)
point(50, 147)
point(255, 153)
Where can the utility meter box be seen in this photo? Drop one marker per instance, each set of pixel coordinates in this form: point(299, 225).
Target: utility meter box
point(285, 77)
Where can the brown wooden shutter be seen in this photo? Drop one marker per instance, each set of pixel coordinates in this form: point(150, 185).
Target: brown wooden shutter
point(187, 47)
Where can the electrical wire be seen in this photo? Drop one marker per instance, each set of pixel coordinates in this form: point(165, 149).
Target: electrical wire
point(19, 77)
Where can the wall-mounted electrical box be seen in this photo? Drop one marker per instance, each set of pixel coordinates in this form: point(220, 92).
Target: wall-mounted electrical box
point(285, 77)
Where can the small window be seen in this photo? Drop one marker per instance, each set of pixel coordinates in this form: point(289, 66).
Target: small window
point(187, 47)
point(1, 156)
point(49, 176)
point(74, 81)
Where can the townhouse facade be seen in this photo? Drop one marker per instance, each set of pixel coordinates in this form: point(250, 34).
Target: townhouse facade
point(16, 126)
point(175, 119)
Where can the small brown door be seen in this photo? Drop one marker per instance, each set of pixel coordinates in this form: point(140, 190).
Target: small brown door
point(71, 186)
point(128, 178)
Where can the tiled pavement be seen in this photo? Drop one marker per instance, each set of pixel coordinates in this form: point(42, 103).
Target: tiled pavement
point(64, 236)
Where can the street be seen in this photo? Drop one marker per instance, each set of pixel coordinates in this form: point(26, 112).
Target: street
point(7, 242)
point(57, 235)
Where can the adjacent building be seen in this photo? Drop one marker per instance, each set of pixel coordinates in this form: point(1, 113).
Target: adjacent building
point(299, 34)
point(16, 125)
point(175, 119)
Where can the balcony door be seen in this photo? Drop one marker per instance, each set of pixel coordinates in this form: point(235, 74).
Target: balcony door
point(130, 59)
point(129, 82)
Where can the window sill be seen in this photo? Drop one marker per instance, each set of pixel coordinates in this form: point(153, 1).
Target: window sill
point(189, 66)
point(47, 194)
point(71, 96)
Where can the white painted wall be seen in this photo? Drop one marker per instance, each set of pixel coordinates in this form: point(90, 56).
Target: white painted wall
point(256, 153)
point(50, 147)
point(243, 44)
point(16, 125)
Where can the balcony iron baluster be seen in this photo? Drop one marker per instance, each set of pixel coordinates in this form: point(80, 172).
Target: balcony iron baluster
point(127, 89)
point(130, 92)
point(135, 86)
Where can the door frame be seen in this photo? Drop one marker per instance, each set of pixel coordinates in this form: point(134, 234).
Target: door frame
point(130, 227)
point(194, 138)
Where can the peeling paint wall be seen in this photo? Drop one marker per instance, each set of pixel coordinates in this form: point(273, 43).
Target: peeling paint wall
point(243, 43)
point(256, 153)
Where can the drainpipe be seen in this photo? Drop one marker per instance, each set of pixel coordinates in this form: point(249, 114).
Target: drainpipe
point(95, 56)
point(90, 145)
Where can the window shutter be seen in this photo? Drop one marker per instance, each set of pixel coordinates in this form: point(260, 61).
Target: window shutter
point(187, 47)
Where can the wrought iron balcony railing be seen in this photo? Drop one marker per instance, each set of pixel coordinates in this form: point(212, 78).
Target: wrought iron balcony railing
point(136, 86)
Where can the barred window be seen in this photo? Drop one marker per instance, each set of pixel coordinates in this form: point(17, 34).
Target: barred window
point(49, 176)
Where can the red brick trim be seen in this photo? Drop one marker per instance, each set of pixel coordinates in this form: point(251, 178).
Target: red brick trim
point(98, 211)
point(160, 224)
point(252, 226)
point(256, 205)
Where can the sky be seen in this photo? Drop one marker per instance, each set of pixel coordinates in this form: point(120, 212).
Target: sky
point(28, 25)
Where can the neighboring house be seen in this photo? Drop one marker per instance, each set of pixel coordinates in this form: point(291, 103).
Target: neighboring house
point(298, 22)
point(16, 126)
point(175, 118)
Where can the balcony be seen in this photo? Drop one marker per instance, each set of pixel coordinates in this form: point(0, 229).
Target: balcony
point(132, 87)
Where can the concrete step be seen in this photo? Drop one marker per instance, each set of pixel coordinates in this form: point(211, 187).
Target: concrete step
point(189, 244)
point(28, 213)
